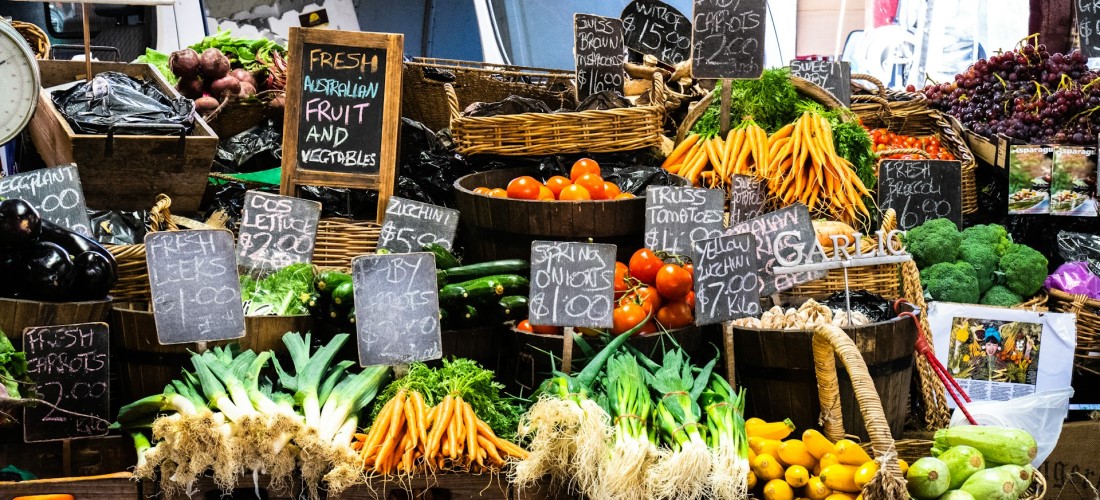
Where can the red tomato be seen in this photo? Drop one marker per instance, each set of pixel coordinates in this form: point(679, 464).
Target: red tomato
point(498, 193)
point(627, 316)
point(524, 326)
point(594, 184)
point(621, 274)
point(584, 166)
point(690, 299)
point(482, 190)
point(545, 194)
point(524, 188)
point(557, 183)
point(645, 296)
point(546, 330)
point(648, 329)
point(574, 192)
point(644, 265)
point(675, 315)
point(624, 196)
point(690, 268)
point(673, 282)
point(610, 190)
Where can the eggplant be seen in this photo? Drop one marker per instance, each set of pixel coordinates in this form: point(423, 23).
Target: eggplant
point(11, 263)
point(74, 243)
point(20, 224)
point(94, 277)
point(47, 271)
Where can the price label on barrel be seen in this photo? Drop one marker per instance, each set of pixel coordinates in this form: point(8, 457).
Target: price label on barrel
point(658, 29)
point(599, 52)
point(921, 190)
point(276, 231)
point(409, 225)
point(727, 286)
point(747, 198)
point(195, 287)
point(396, 308)
point(1088, 26)
point(788, 232)
point(676, 216)
point(728, 38)
point(70, 367)
point(572, 284)
point(55, 193)
point(834, 76)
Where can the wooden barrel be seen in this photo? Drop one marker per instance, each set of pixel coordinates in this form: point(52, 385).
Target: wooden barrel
point(18, 314)
point(776, 367)
point(147, 366)
point(502, 228)
point(480, 343)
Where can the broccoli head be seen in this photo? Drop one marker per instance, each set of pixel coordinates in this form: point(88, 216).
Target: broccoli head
point(1024, 269)
point(984, 260)
point(1001, 296)
point(933, 242)
point(994, 236)
point(951, 282)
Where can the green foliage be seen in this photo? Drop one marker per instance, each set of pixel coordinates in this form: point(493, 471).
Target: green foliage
point(853, 143)
point(250, 54)
point(983, 259)
point(994, 236)
point(1001, 296)
point(771, 100)
point(1024, 270)
point(951, 282)
point(13, 368)
point(159, 60)
point(934, 242)
point(282, 293)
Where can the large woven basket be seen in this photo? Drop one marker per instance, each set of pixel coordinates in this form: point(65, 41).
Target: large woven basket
point(1088, 327)
point(423, 99)
point(339, 240)
point(133, 273)
point(534, 134)
point(36, 38)
point(882, 280)
point(875, 95)
point(912, 450)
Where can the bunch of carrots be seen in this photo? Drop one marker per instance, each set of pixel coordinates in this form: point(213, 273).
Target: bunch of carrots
point(798, 163)
point(409, 438)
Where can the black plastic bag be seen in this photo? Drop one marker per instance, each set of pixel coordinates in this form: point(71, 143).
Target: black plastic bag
point(1074, 247)
point(110, 227)
point(876, 308)
point(117, 102)
point(255, 149)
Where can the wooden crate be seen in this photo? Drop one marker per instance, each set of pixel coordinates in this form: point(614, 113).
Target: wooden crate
point(18, 314)
point(117, 486)
point(455, 486)
point(126, 171)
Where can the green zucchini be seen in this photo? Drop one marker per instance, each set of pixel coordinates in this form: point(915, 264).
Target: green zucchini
point(452, 294)
point(344, 295)
point(351, 316)
point(382, 251)
point(481, 270)
point(315, 301)
point(444, 259)
point(327, 281)
point(1000, 445)
point(443, 316)
point(513, 306)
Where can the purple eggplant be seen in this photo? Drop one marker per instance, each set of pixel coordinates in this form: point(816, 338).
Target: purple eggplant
point(47, 271)
point(20, 224)
point(94, 277)
point(75, 244)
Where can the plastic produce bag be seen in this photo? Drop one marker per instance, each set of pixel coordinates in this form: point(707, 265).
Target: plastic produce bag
point(1040, 414)
point(117, 102)
point(1080, 247)
point(1075, 278)
point(258, 148)
point(876, 308)
point(118, 228)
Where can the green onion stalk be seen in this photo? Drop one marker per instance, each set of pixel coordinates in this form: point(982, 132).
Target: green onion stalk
point(630, 406)
point(685, 471)
point(725, 410)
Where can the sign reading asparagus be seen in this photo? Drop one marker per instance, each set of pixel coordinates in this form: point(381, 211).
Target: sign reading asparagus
point(572, 284)
point(675, 217)
point(70, 366)
point(276, 231)
point(409, 225)
point(55, 193)
point(599, 52)
point(726, 283)
point(397, 297)
point(728, 38)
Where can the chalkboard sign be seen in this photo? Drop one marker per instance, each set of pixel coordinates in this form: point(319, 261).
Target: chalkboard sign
point(675, 216)
point(343, 99)
point(834, 76)
point(921, 190)
point(195, 287)
point(747, 198)
point(55, 193)
point(768, 229)
point(396, 308)
point(727, 286)
point(1088, 26)
point(658, 29)
point(728, 38)
point(599, 53)
point(70, 366)
point(409, 225)
point(572, 284)
point(276, 231)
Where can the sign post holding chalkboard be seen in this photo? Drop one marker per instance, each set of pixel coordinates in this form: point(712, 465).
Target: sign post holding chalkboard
point(55, 193)
point(409, 225)
point(728, 38)
point(675, 216)
point(276, 231)
point(195, 287)
point(747, 198)
point(657, 28)
point(572, 284)
point(1088, 26)
point(834, 76)
point(70, 366)
point(921, 190)
point(788, 232)
point(599, 54)
point(727, 286)
point(397, 308)
point(343, 102)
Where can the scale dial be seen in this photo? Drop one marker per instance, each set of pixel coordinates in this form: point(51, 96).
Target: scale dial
point(19, 72)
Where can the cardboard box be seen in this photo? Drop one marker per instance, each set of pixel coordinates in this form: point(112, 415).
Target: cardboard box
point(1074, 460)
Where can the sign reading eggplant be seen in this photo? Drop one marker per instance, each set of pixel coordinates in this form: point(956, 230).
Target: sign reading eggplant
point(921, 190)
point(409, 225)
point(675, 217)
point(276, 231)
point(55, 193)
point(783, 233)
point(834, 76)
point(727, 286)
point(195, 287)
point(657, 28)
point(599, 52)
point(572, 284)
point(728, 38)
point(397, 304)
point(70, 366)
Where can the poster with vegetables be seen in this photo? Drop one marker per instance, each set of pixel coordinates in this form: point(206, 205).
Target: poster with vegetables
point(1029, 176)
point(1073, 182)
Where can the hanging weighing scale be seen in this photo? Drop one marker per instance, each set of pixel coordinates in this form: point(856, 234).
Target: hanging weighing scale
point(19, 72)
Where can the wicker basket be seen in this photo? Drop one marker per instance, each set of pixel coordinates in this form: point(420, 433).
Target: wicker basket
point(38, 40)
point(234, 115)
point(534, 134)
point(881, 280)
point(339, 240)
point(872, 98)
point(911, 450)
point(1088, 327)
point(423, 101)
point(133, 273)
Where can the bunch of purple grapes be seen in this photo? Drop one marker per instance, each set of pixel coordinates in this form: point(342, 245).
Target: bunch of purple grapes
point(1028, 94)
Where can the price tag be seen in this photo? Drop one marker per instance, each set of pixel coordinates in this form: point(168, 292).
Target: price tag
point(396, 308)
point(409, 225)
point(599, 52)
point(747, 198)
point(56, 194)
point(727, 286)
point(70, 367)
point(788, 232)
point(572, 284)
point(921, 190)
point(276, 231)
point(834, 76)
point(1088, 26)
point(675, 216)
point(728, 38)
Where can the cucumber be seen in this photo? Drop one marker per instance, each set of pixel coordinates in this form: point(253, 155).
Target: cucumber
point(991, 484)
point(1020, 475)
point(452, 294)
point(327, 281)
point(956, 495)
point(513, 306)
point(962, 461)
point(492, 287)
point(469, 272)
point(444, 317)
point(444, 259)
point(1001, 445)
point(469, 315)
point(315, 301)
point(928, 478)
point(337, 312)
point(344, 295)
point(351, 316)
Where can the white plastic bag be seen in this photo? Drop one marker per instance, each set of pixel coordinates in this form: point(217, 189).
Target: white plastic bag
point(1040, 414)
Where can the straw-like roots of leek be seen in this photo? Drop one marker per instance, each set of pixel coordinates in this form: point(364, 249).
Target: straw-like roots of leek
point(567, 442)
point(624, 476)
point(682, 474)
point(729, 475)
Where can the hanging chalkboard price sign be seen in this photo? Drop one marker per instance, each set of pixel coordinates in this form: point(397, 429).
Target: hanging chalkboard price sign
point(343, 102)
point(572, 284)
point(788, 232)
point(599, 52)
point(276, 231)
point(396, 308)
point(833, 76)
point(195, 287)
point(747, 198)
point(675, 216)
point(658, 29)
point(1088, 26)
point(70, 367)
point(727, 286)
point(55, 193)
point(409, 225)
point(728, 38)
point(921, 190)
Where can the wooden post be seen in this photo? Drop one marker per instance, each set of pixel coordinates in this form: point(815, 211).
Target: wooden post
point(724, 108)
point(567, 350)
point(86, 14)
point(727, 351)
point(67, 455)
